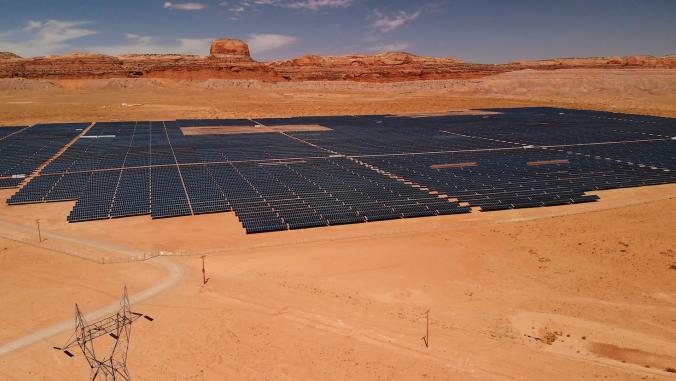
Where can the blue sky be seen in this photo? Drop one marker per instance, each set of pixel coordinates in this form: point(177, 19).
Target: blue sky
point(486, 31)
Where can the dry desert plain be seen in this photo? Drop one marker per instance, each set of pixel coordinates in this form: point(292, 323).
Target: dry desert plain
point(580, 292)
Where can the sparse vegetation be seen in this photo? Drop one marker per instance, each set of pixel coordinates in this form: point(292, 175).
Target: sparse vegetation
point(671, 370)
point(550, 337)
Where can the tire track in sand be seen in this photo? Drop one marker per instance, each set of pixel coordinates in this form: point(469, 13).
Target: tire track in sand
point(175, 274)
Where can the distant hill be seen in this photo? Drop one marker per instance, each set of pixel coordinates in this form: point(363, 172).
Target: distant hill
point(230, 59)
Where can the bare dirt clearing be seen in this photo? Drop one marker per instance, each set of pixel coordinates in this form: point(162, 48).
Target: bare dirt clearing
point(644, 91)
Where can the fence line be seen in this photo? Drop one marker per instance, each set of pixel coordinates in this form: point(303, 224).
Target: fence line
point(99, 260)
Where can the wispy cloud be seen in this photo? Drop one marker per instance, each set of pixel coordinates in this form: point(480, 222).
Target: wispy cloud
point(386, 23)
point(315, 5)
point(37, 38)
point(236, 8)
point(137, 44)
point(44, 37)
point(393, 47)
point(185, 6)
point(32, 25)
point(261, 43)
point(309, 5)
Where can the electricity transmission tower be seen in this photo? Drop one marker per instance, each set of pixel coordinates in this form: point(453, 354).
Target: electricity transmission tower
point(107, 362)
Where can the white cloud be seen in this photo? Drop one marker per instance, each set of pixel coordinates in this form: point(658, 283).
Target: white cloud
point(184, 6)
point(149, 45)
point(390, 23)
point(315, 5)
point(236, 8)
point(260, 43)
point(311, 5)
point(393, 47)
point(31, 25)
point(41, 38)
point(140, 39)
point(37, 38)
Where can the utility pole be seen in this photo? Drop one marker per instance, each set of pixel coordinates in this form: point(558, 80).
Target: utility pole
point(426, 338)
point(204, 272)
point(39, 233)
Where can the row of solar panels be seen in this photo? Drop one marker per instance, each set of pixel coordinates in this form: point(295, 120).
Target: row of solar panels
point(124, 144)
point(118, 145)
point(315, 193)
point(512, 128)
point(8, 130)
point(504, 179)
point(23, 150)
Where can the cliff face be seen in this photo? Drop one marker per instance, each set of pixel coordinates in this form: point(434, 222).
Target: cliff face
point(379, 68)
point(666, 62)
point(230, 59)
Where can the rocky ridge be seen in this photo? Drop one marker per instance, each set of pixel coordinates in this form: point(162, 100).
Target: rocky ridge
point(230, 59)
point(8, 55)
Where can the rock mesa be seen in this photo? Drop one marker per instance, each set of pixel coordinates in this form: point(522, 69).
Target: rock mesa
point(230, 49)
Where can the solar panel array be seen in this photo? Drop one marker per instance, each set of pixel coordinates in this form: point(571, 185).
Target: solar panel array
point(504, 179)
point(8, 130)
point(24, 149)
point(10, 182)
point(364, 168)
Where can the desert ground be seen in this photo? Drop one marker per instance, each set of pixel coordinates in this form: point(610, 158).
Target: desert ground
point(579, 292)
point(639, 91)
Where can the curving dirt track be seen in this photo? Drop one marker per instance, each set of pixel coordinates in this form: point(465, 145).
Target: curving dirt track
point(173, 276)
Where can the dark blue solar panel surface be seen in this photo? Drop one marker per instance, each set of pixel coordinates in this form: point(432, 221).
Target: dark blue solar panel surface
point(8, 130)
point(364, 168)
point(23, 150)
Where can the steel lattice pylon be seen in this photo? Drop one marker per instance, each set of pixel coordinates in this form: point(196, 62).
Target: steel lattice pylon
point(112, 364)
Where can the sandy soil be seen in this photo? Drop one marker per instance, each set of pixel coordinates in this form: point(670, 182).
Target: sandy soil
point(31, 286)
point(579, 292)
point(638, 91)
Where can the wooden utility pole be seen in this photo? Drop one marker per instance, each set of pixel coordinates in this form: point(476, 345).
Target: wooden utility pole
point(39, 233)
point(204, 272)
point(426, 338)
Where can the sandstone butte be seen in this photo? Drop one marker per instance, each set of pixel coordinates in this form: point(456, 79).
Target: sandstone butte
point(230, 59)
